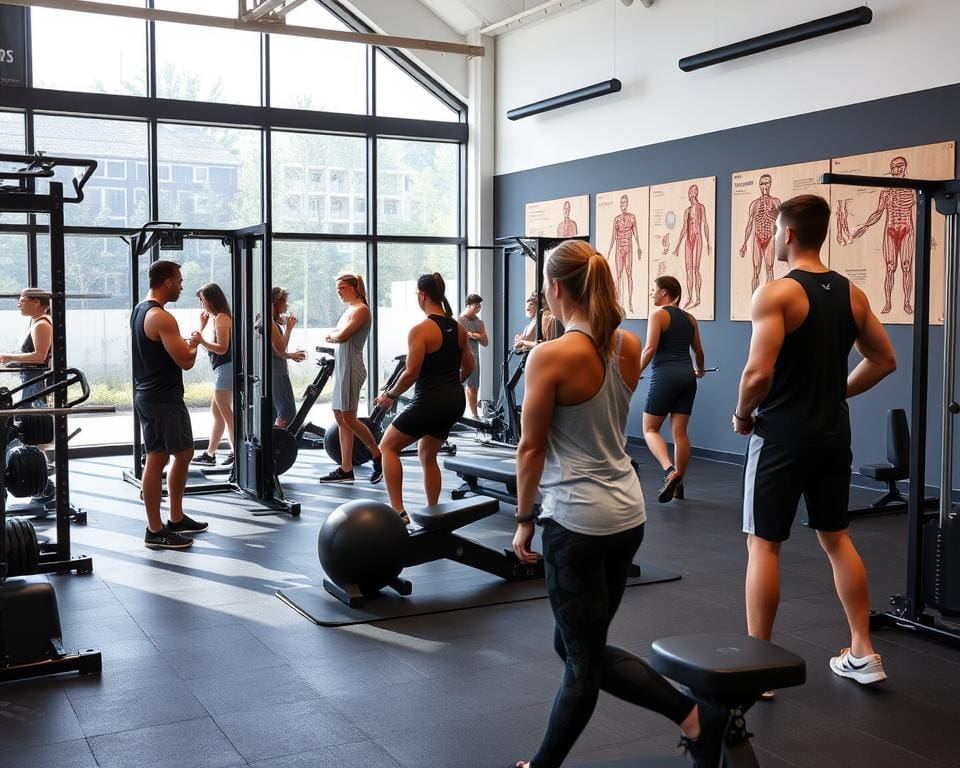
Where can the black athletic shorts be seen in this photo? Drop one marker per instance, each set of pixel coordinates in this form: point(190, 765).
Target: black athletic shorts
point(164, 427)
point(672, 390)
point(432, 413)
point(776, 476)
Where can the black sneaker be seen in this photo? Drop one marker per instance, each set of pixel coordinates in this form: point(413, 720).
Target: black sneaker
point(337, 476)
point(187, 525)
point(377, 474)
point(678, 492)
point(204, 458)
point(671, 479)
point(706, 751)
point(228, 460)
point(166, 539)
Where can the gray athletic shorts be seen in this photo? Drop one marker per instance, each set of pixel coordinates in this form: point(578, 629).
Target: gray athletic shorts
point(223, 377)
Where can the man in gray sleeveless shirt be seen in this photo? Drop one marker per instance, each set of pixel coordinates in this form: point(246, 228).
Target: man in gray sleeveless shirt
point(477, 336)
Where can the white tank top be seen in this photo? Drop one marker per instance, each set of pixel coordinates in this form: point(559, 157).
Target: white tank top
point(588, 484)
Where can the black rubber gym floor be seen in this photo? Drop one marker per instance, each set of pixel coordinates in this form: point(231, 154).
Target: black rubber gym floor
point(204, 666)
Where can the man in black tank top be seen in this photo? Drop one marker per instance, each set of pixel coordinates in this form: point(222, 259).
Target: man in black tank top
point(793, 397)
point(160, 355)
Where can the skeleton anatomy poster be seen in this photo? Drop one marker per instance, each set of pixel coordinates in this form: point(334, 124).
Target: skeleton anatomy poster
point(755, 198)
point(622, 225)
point(565, 217)
point(682, 225)
point(873, 230)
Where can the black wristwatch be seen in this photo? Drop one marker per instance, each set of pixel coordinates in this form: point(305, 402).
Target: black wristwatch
point(530, 519)
point(738, 417)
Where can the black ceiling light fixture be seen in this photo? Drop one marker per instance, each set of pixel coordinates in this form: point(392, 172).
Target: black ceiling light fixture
point(565, 99)
point(855, 17)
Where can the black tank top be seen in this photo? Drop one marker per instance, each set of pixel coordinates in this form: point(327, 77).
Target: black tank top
point(217, 360)
point(156, 377)
point(807, 402)
point(28, 346)
point(674, 346)
point(442, 368)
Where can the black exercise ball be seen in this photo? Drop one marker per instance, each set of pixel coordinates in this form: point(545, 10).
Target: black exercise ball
point(331, 442)
point(362, 542)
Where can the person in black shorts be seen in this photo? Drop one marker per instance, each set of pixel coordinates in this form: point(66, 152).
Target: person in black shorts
point(671, 334)
point(160, 356)
point(796, 379)
point(439, 361)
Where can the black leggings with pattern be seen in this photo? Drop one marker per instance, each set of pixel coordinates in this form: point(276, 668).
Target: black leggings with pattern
point(586, 576)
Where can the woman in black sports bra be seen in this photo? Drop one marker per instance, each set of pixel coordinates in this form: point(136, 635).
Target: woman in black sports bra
point(34, 356)
point(439, 361)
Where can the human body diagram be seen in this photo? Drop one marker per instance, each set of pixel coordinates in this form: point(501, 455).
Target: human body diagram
point(623, 236)
point(759, 232)
point(694, 234)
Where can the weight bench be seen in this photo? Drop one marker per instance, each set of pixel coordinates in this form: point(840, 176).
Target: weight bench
point(730, 672)
point(435, 540)
point(473, 471)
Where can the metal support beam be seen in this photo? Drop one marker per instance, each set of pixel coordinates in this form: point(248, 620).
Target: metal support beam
point(260, 27)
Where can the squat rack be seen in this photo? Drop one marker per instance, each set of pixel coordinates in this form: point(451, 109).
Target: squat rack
point(20, 197)
point(933, 547)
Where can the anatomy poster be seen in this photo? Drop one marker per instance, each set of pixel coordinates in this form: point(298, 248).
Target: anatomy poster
point(755, 198)
point(622, 225)
point(682, 225)
point(565, 217)
point(874, 229)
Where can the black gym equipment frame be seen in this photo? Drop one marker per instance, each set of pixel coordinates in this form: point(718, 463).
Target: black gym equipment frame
point(910, 610)
point(19, 197)
point(255, 477)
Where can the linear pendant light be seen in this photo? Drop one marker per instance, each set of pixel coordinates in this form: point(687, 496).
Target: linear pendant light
point(565, 99)
point(855, 17)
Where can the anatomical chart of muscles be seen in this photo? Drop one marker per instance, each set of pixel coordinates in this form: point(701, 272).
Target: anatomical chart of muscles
point(622, 223)
point(756, 196)
point(874, 229)
point(564, 217)
point(683, 218)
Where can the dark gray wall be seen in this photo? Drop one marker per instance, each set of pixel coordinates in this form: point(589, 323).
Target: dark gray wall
point(902, 121)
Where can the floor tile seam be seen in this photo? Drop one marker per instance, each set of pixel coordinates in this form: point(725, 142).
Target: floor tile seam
point(175, 720)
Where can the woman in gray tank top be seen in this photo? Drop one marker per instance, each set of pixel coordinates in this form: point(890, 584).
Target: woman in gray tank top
point(349, 375)
point(573, 449)
point(671, 334)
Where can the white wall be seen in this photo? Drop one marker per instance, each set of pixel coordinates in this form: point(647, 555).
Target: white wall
point(411, 18)
point(910, 46)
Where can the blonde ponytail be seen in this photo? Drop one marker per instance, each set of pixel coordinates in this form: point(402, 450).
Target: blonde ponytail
point(355, 281)
point(585, 275)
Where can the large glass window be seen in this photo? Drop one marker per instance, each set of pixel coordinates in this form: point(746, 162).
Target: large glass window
point(13, 278)
point(204, 63)
point(316, 74)
point(417, 188)
point(307, 165)
point(117, 146)
point(12, 142)
point(98, 330)
point(399, 95)
point(398, 267)
point(308, 271)
point(89, 52)
point(231, 195)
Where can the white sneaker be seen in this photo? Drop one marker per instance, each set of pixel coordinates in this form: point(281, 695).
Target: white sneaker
point(866, 671)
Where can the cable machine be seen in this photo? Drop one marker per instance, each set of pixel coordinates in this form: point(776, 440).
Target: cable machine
point(930, 605)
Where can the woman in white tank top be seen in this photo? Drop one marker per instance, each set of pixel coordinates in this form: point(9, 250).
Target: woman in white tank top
point(573, 449)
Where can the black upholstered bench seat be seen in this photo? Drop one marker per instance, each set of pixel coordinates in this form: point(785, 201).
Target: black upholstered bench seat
point(727, 667)
point(450, 515)
point(488, 469)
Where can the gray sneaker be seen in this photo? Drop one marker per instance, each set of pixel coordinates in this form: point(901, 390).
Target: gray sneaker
point(166, 539)
point(866, 671)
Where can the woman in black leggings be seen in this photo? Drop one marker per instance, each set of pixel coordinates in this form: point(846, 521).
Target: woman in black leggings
point(573, 447)
point(439, 361)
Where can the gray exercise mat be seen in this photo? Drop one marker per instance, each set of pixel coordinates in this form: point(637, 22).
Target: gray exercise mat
point(469, 588)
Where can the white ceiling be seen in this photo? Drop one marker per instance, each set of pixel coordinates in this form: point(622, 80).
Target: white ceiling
point(466, 15)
